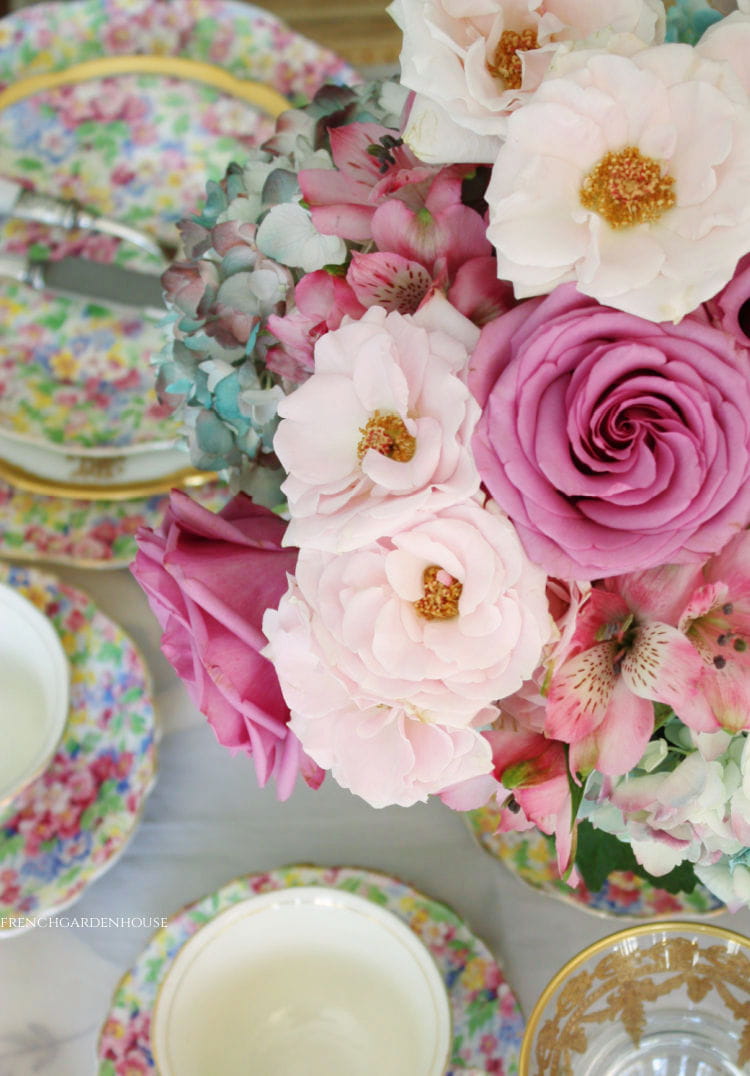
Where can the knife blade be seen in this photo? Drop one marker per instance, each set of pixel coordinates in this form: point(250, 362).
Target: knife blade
point(89, 281)
point(22, 204)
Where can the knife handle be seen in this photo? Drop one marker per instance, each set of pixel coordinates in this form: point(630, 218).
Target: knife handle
point(44, 209)
point(67, 213)
point(17, 267)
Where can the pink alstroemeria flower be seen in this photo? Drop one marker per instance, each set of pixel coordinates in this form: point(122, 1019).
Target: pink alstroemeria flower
point(477, 295)
point(626, 653)
point(389, 280)
point(321, 301)
point(530, 783)
point(440, 231)
point(343, 201)
point(716, 620)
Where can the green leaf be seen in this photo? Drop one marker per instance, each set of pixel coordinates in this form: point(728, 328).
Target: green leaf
point(29, 163)
point(662, 714)
point(599, 853)
point(576, 790)
point(11, 846)
point(481, 1013)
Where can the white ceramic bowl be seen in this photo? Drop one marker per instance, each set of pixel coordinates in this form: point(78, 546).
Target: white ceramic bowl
point(34, 685)
point(304, 980)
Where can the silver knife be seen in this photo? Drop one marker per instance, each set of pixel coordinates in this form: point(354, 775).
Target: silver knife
point(22, 204)
point(90, 282)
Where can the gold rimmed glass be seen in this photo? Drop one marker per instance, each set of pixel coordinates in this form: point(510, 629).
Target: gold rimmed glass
point(663, 999)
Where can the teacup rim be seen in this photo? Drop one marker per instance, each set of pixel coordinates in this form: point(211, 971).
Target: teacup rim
point(58, 669)
point(302, 894)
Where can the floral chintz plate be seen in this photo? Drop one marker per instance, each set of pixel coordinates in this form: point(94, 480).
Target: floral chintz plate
point(69, 825)
point(83, 533)
point(137, 147)
point(530, 855)
point(487, 1020)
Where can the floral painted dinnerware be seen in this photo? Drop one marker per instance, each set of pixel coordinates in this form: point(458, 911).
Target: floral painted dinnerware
point(141, 152)
point(81, 533)
point(487, 1021)
point(69, 826)
point(530, 855)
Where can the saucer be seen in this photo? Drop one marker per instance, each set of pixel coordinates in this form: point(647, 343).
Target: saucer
point(70, 825)
point(137, 144)
point(487, 1021)
point(83, 533)
point(530, 855)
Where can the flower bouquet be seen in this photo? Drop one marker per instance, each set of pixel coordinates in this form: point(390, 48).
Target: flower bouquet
point(473, 349)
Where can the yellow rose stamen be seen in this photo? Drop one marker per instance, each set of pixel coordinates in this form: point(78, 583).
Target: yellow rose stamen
point(506, 63)
point(627, 188)
point(386, 433)
point(441, 595)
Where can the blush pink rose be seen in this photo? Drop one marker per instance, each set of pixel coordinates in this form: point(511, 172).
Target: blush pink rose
point(208, 579)
point(448, 612)
point(614, 444)
point(382, 429)
point(384, 751)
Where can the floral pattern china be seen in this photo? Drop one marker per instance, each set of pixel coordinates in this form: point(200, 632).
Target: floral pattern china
point(67, 827)
point(87, 534)
point(530, 855)
point(140, 153)
point(487, 1020)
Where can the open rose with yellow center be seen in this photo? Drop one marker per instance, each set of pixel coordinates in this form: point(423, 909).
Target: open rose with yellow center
point(448, 612)
point(629, 176)
point(382, 429)
point(472, 64)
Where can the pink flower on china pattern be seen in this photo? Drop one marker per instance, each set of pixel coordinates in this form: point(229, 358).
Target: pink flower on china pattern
point(386, 752)
point(381, 429)
point(447, 612)
point(625, 654)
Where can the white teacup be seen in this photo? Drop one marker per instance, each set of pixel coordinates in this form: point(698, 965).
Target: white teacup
point(304, 980)
point(34, 692)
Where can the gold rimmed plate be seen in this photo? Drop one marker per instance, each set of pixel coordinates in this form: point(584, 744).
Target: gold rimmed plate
point(130, 114)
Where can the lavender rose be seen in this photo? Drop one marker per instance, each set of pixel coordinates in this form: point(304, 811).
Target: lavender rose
point(613, 443)
point(208, 579)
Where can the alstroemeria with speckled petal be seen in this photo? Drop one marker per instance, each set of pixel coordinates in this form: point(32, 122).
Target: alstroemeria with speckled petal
point(622, 660)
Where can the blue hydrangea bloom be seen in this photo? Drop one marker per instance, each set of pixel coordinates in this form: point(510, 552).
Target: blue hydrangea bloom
point(688, 20)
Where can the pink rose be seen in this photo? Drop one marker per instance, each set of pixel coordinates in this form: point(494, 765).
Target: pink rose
point(384, 751)
point(208, 579)
point(448, 613)
point(381, 430)
point(730, 309)
point(614, 444)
